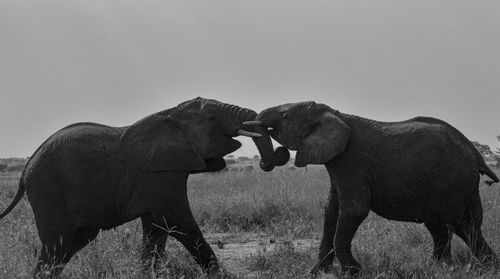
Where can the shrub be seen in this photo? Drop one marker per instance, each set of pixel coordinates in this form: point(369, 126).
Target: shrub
point(484, 149)
point(243, 159)
point(247, 217)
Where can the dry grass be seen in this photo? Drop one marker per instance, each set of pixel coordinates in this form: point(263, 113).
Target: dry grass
point(284, 204)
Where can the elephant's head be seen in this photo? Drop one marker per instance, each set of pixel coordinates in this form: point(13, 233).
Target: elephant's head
point(314, 130)
point(194, 136)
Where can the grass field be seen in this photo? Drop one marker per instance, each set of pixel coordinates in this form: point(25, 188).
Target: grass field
point(245, 206)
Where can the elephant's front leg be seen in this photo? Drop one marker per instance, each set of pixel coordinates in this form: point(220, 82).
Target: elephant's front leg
point(326, 250)
point(171, 214)
point(353, 209)
point(154, 239)
point(185, 229)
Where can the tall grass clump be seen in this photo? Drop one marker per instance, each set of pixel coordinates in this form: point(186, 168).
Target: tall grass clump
point(276, 202)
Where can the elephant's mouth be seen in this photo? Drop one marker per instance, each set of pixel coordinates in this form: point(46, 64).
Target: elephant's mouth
point(221, 147)
point(231, 147)
point(277, 135)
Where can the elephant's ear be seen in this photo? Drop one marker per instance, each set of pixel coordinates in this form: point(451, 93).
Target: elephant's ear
point(327, 139)
point(154, 143)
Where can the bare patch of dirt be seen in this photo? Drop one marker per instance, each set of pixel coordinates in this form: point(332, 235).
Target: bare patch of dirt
point(234, 250)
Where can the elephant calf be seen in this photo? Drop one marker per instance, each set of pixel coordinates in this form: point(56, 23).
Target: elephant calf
point(419, 170)
point(88, 177)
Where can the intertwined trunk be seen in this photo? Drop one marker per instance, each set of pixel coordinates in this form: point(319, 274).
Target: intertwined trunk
point(234, 118)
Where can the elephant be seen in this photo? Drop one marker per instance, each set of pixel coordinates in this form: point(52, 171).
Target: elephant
point(419, 170)
point(89, 177)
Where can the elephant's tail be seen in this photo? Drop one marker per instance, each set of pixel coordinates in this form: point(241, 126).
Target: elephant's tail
point(487, 171)
point(484, 169)
point(17, 198)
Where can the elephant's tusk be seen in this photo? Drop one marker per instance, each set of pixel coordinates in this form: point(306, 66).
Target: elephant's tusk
point(254, 122)
point(270, 128)
point(248, 134)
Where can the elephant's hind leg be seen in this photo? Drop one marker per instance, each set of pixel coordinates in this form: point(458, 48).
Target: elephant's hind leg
point(441, 235)
point(469, 230)
point(56, 233)
point(57, 251)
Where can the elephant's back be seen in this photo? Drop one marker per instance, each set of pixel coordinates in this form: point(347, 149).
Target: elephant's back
point(454, 139)
point(431, 144)
point(67, 151)
point(86, 133)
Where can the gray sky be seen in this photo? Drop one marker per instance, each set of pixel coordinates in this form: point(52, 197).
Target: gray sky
point(115, 61)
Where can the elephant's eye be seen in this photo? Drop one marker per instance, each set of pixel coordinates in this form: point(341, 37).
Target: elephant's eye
point(211, 118)
point(310, 130)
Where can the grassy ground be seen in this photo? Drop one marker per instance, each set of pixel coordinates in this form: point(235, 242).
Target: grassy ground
point(281, 206)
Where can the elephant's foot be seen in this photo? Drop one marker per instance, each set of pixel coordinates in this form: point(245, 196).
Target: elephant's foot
point(489, 261)
point(43, 274)
point(45, 271)
point(151, 264)
point(351, 270)
point(213, 270)
point(485, 254)
point(324, 265)
point(213, 267)
point(442, 257)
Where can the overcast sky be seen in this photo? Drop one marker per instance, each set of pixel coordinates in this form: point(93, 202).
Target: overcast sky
point(116, 61)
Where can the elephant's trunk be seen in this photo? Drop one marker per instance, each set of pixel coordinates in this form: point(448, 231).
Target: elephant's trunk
point(236, 116)
point(233, 117)
point(265, 146)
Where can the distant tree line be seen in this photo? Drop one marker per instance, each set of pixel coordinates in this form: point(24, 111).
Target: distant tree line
point(13, 168)
point(12, 164)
